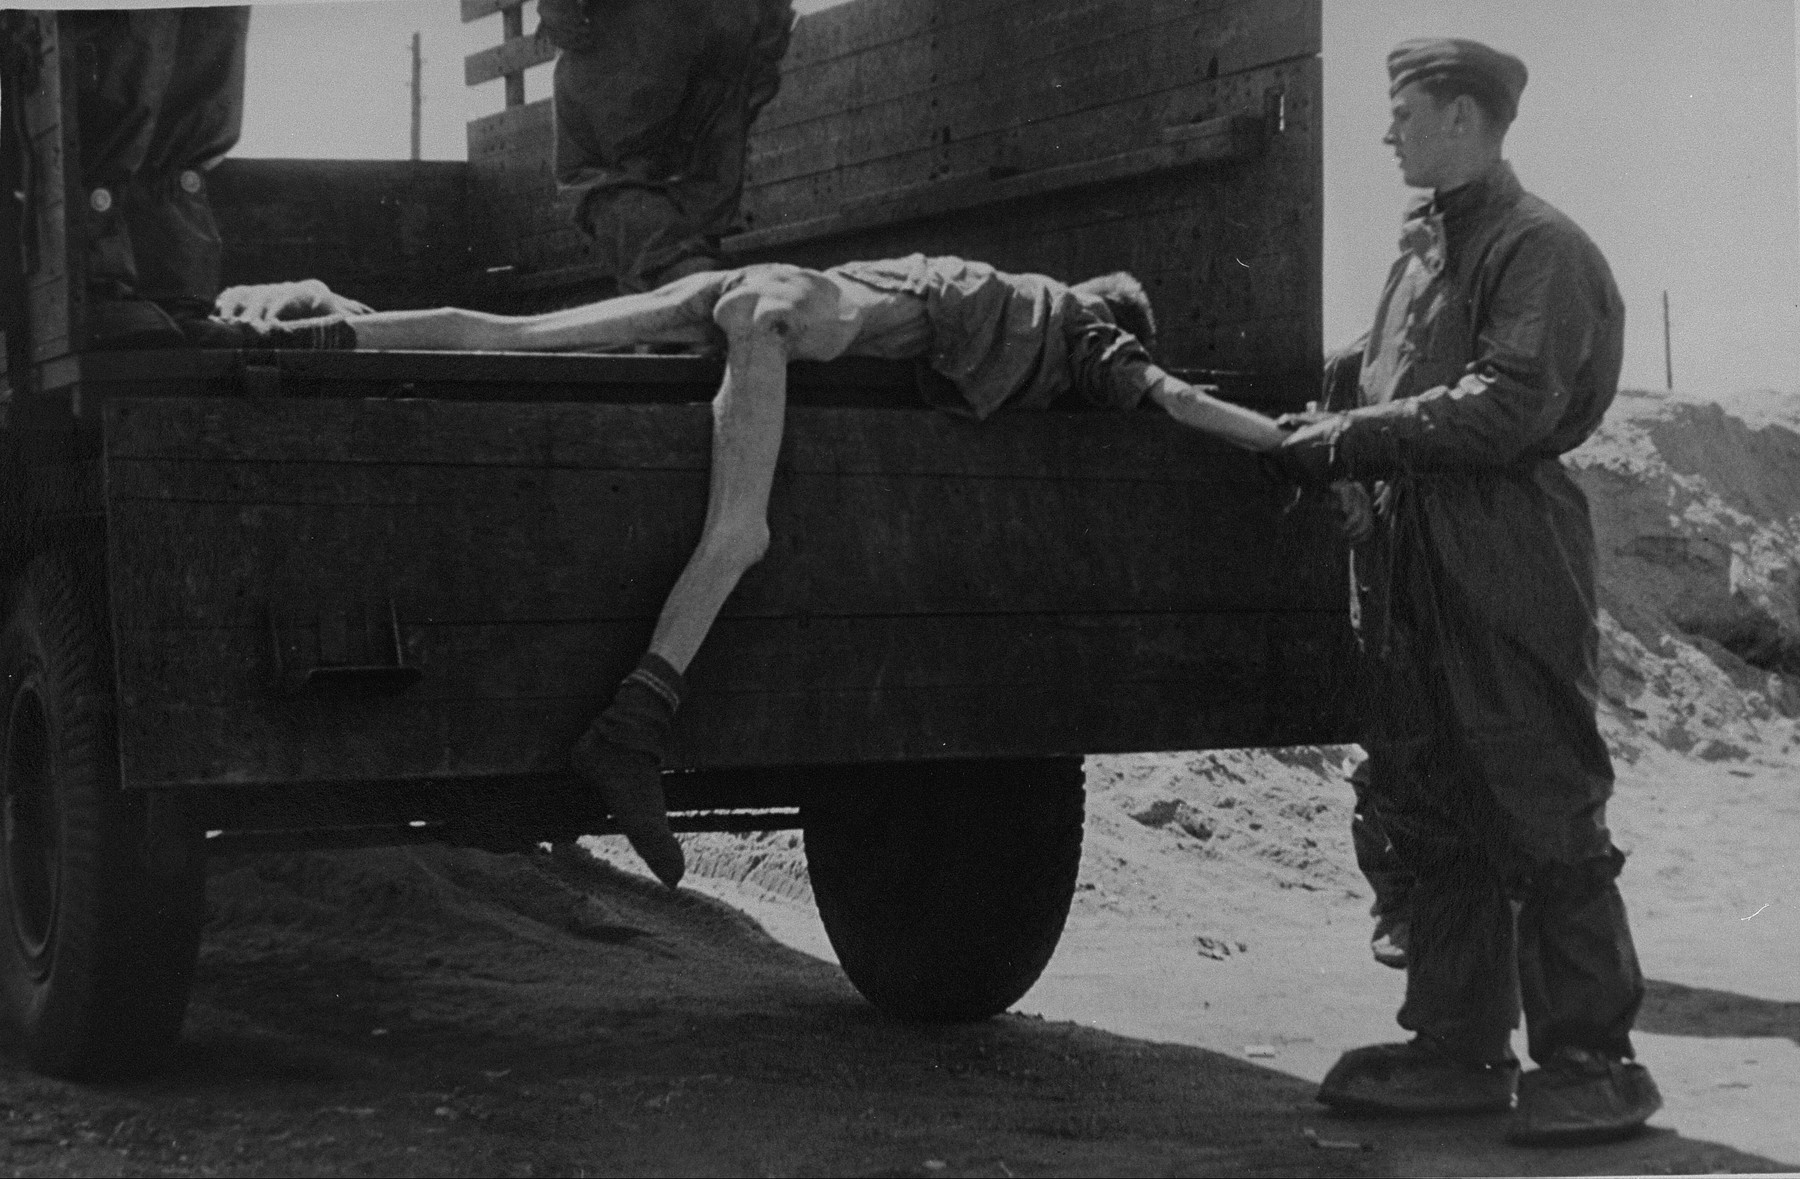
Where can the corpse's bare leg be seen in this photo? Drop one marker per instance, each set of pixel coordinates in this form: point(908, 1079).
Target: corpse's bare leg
point(622, 751)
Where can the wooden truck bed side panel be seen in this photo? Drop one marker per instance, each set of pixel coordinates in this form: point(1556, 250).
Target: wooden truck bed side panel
point(1043, 583)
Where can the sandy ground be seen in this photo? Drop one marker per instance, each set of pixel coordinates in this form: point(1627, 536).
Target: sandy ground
point(430, 1011)
point(1251, 943)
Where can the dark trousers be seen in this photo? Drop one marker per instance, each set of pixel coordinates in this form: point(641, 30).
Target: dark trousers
point(161, 102)
point(1509, 880)
point(653, 123)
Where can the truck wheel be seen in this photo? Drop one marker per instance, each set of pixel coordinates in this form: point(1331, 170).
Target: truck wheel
point(101, 899)
point(944, 897)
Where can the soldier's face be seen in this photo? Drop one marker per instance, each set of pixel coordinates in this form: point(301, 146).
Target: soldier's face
point(1421, 135)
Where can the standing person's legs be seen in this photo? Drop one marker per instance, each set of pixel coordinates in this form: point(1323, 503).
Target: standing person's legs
point(1578, 968)
point(1461, 982)
point(620, 107)
point(122, 62)
point(622, 751)
point(172, 227)
point(1460, 994)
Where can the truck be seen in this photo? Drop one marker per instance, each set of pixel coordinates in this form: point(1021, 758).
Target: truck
point(260, 599)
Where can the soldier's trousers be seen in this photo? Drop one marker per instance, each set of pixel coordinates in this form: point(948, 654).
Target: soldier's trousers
point(1512, 900)
point(161, 102)
point(652, 126)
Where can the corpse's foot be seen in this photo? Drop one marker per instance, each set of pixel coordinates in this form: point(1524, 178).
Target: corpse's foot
point(630, 783)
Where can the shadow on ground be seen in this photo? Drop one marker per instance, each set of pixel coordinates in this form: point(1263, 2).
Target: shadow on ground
point(436, 1012)
point(1676, 1010)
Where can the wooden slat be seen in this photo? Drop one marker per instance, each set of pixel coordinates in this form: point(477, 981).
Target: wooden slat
point(821, 174)
point(608, 545)
point(513, 56)
point(577, 660)
point(56, 288)
point(382, 742)
point(1011, 56)
point(1230, 139)
point(218, 432)
point(476, 9)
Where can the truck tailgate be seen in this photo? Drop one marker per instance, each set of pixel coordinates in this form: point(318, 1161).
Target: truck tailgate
point(1040, 584)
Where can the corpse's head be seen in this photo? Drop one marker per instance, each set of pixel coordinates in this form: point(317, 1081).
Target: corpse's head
point(1126, 303)
point(1452, 102)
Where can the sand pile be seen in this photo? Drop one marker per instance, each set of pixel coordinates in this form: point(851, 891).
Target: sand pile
point(1697, 517)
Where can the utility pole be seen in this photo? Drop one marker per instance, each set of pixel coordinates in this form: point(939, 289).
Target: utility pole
point(1668, 353)
point(418, 97)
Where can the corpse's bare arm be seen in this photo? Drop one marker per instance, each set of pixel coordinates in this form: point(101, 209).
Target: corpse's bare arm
point(663, 316)
point(1192, 405)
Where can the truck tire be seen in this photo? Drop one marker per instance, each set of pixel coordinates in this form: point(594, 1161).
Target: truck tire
point(944, 896)
point(102, 897)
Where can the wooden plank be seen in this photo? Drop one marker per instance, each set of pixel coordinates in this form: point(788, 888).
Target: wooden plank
point(57, 287)
point(827, 174)
point(583, 659)
point(1229, 139)
point(1027, 44)
point(531, 124)
point(470, 376)
point(609, 545)
point(512, 56)
point(884, 27)
point(392, 742)
point(1134, 447)
point(473, 10)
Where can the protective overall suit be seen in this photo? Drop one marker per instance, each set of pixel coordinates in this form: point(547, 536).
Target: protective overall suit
point(1496, 349)
point(654, 100)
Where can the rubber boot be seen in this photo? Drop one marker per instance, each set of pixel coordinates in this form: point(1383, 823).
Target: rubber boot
point(1581, 1097)
point(1417, 1079)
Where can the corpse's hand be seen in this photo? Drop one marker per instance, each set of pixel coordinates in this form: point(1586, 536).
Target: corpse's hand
point(264, 303)
point(1355, 510)
point(1305, 456)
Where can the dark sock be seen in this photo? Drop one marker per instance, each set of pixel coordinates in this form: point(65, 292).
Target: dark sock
point(622, 753)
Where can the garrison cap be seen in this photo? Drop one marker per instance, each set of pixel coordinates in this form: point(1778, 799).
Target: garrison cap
point(1496, 76)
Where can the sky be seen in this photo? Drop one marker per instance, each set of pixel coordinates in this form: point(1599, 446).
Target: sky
point(1666, 128)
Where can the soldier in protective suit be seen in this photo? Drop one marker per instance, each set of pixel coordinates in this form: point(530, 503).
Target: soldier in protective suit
point(654, 100)
point(161, 102)
point(1496, 349)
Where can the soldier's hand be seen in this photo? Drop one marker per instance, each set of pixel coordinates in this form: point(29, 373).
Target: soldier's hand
point(1305, 456)
point(265, 303)
point(1296, 421)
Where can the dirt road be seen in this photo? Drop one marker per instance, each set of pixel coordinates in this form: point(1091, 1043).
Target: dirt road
point(437, 1012)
